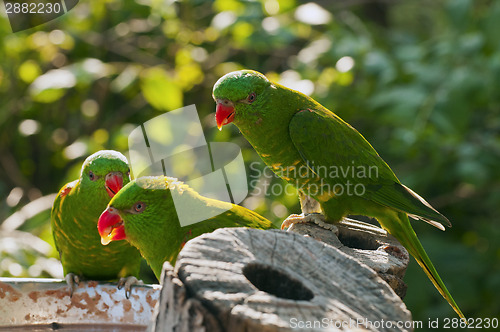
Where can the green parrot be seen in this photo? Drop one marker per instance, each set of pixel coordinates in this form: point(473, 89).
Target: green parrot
point(326, 159)
point(144, 213)
point(75, 212)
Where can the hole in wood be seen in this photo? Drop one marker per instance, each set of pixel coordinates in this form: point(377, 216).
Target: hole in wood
point(275, 282)
point(357, 240)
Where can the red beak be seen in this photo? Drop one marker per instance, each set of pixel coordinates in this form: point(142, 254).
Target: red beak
point(110, 226)
point(224, 113)
point(114, 182)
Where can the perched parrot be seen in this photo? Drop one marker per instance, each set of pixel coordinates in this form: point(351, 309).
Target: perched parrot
point(75, 213)
point(326, 159)
point(144, 214)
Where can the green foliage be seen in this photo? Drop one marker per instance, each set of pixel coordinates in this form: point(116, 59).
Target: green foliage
point(419, 79)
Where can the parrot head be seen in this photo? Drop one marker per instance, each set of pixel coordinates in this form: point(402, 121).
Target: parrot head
point(134, 209)
point(106, 171)
point(239, 94)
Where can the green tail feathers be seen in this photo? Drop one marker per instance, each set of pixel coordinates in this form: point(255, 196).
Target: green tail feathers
point(406, 235)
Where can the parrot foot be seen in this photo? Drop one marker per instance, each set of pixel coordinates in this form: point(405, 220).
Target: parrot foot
point(72, 280)
point(293, 219)
point(316, 218)
point(127, 283)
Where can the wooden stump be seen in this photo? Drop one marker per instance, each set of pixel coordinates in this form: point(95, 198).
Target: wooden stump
point(367, 244)
point(237, 279)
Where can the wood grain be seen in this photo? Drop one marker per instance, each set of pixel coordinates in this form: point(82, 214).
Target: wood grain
point(367, 244)
point(237, 279)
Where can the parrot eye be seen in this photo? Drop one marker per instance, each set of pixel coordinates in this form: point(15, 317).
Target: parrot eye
point(251, 97)
point(128, 173)
point(92, 176)
point(139, 207)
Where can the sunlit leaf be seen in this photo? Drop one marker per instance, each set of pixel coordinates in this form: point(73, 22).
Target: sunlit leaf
point(233, 5)
point(29, 70)
point(160, 90)
point(241, 31)
point(50, 86)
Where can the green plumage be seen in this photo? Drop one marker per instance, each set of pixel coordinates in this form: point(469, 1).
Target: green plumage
point(156, 230)
point(327, 159)
point(75, 213)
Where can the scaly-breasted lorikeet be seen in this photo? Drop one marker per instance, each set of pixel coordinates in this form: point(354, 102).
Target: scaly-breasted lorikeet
point(325, 158)
point(75, 213)
point(144, 214)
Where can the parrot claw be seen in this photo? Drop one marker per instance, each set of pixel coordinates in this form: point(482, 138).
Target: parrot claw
point(127, 283)
point(293, 219)
point(72, 280)
point(316, 218)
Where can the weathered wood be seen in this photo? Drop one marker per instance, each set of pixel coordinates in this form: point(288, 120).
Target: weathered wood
point(368, 244)
point(237, 279)
point(45, 304)
point(176, 312)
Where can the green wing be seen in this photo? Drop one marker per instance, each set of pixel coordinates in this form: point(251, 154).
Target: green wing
point(237, 216)
point(76, 239)
point(243, 217)
point(324, 140)
point(56, 214)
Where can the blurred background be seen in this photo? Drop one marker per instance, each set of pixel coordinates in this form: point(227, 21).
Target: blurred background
point(420, 79)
